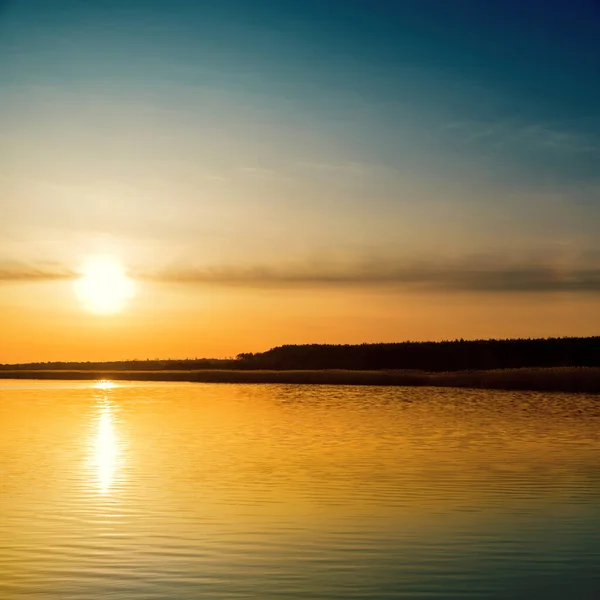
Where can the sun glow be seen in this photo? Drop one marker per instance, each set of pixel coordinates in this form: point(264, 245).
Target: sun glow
point(104, 286)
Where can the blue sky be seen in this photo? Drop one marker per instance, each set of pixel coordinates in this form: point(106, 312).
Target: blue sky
point(352, 130)
point(291, 172)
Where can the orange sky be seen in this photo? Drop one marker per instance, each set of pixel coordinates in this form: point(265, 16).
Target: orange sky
point(291, 183)
point(47, 321)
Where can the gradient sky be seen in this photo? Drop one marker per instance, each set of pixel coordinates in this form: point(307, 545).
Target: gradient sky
point(290, 172)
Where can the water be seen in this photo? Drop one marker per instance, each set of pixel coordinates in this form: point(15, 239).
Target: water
point(184, 491)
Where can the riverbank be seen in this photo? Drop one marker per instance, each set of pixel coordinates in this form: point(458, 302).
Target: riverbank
point(562, 379)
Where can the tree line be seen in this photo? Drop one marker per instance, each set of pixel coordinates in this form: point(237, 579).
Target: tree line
point(457, 355)
point(127, 365)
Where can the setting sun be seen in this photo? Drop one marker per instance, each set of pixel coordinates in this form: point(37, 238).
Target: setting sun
point(104, 286)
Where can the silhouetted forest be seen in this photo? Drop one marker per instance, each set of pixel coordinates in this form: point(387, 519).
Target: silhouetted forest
point(129, 365)
point(458, 355)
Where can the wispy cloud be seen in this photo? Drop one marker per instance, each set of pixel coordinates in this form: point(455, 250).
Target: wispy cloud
point(482, 275)
point(258, 171)
point(343, 167)
point(23, 272)
point(540, 136)
point(475, 274)
point(263, 174)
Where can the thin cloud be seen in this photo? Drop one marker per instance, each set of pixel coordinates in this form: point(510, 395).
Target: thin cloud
point(18, 272)
point(344, 167)
point(263, 174)
point(467, 275)
point(541, 136)
point(258, 171)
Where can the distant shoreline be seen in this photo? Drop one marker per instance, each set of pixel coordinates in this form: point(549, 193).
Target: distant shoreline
point(558, 379)
point(422, 357)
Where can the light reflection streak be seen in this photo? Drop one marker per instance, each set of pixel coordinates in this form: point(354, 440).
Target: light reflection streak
point(106, 451)
point(104, 384)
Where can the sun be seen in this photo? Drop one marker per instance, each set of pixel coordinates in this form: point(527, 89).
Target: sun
point(104, 286)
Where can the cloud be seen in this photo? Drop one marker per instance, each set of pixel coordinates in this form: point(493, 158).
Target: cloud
point(481, 275)
point(258, 171)
point(535, 136)
point(344, 167)
point(21, 272)
point(471, 274)
point(263, 174)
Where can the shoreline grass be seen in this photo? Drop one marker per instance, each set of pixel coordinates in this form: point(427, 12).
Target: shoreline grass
point(555, 379)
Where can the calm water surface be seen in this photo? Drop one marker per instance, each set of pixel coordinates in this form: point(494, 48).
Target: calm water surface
point(167, 491)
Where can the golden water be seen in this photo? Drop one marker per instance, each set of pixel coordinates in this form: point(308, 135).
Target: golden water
point(168, 491)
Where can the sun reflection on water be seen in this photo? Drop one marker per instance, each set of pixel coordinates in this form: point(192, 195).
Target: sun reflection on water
point(106, 451)
point(104, 384)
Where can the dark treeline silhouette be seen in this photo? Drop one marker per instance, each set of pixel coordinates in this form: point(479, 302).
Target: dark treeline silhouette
point(129, 365)
point(458, 355)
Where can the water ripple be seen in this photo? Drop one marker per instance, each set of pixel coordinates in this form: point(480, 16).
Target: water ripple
point(160, 491)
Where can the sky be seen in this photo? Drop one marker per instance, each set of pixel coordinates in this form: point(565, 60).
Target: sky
point(297, 172)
